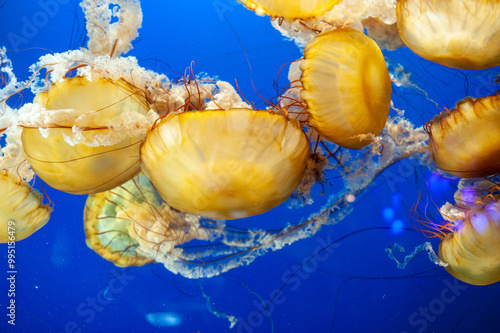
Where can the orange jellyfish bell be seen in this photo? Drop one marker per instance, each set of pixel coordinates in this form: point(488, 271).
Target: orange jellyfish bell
point(455, 33)
point(465, 141)
point(472, 250)
point(102, 159)
point(21, 209)
point(290, 9)
point(225, 164)
point(346, 87)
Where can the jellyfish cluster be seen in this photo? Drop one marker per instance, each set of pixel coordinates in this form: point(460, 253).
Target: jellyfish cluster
point(166, 162)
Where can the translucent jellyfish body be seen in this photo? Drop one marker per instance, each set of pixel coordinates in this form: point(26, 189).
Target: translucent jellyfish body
point(80, 149)
point(465, 141)
point(346, 87)
point(472, 250)
point(131, 225)
point(455, 33)
point(21, 209)
point(108, 222)
point(225, 164)
point(290, 9)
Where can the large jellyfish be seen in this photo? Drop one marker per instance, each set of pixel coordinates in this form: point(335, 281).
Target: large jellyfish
point(471, 242)
point(96, 160)
point(225, 164)
point(456, 33)
point(346, 87)
point(465, 141)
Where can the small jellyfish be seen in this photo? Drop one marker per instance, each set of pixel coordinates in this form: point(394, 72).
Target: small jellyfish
point(108, 222)
point(131, 225)
point(465, 141)
point(472, 249)
point(225, 164)
point(21, 209)
point(290, 9)
point(455, 33)
point(102, 156)
point(346, 87)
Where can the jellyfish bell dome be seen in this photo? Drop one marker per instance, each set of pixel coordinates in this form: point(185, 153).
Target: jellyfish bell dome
point(455, 33)
point(81, 143)
point(465, 141)
point(346, 87)
point(225, 164)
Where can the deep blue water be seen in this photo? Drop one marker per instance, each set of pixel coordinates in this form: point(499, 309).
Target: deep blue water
point(63, 286)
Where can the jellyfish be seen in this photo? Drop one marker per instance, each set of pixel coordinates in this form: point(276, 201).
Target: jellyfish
point(225, 164)
point(82, 132)
point(377, 17)
point(455, 33)
point(290, 9)
point(131, 225)
point(346, 87)
point(465, 141)
point(472, 247)
point(22, 211)
point(218, 164)
point(84, 137)
point(108, 224)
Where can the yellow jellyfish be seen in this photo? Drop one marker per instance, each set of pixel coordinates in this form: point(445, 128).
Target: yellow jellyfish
point(21, 209)
point(290, 9)
point(465, 141)
point(109, 229)
point(455, 33)
point(131, 225)
point(100, 160)
point(346, 87)
point(225, 164)
point(472, 250)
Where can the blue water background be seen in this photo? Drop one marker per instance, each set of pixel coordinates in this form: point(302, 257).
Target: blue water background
point(63, 286)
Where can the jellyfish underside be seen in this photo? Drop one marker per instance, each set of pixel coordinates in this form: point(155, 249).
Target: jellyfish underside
point(225, 164)
point(455, 33)
point(472, 250)
point(21, 209)
point(80, 168)
point(346, 87)
point(465, 141)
